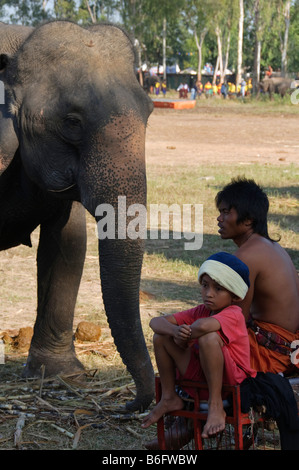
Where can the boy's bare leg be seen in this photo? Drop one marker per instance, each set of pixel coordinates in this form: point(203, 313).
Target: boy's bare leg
point(169, 356)
point(212, 363)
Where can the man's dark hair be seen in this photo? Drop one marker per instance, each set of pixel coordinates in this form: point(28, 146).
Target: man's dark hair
point(249, 201)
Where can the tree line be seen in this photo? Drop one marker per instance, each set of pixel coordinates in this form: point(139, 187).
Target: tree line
point(244, 36)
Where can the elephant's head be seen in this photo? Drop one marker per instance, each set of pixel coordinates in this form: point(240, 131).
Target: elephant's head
point(267, 85)
point(78, 115)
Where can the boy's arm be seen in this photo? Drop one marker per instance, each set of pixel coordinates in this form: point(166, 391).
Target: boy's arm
point(202, 326)
point(164, 325)
point(167, 325)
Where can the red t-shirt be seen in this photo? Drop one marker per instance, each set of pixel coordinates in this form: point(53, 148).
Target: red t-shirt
point(234, 334)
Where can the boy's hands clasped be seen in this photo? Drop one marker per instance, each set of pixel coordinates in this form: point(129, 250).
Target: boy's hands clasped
point(183, 335)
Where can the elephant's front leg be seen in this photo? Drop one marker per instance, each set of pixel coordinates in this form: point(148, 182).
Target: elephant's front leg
point(60, 261)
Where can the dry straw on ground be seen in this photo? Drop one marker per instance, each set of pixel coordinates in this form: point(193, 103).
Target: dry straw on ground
point(55, 413)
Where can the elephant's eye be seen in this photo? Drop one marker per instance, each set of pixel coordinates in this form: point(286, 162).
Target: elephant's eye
point(72, 128)
point(72, 121)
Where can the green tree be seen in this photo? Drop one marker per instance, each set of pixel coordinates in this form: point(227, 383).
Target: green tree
point(190, 32)
point(293, 49)
point(195, 15)
point(96, 10)
point(65, 9)
point(259, 19)
point(151, 24)
point(26, 12)
point(240, 42)
point(226, 15)
point(213, 25)
point(285, 13)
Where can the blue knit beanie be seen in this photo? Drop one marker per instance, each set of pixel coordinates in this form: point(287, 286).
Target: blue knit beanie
point(228, 271)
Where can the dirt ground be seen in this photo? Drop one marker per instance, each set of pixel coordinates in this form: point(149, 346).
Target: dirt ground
point(219, 136)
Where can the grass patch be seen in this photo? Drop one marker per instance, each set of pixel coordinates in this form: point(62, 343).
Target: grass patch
point(250, 105)
point(181, 185)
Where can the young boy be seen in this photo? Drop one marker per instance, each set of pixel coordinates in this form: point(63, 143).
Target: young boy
point(208, 343)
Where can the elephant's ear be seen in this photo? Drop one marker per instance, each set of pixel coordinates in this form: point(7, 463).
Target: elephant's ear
point(9, 142)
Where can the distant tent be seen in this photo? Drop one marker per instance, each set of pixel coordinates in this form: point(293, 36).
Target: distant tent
point(173, 69)
point(169, 69)
point(189, 70)
point(154, 70)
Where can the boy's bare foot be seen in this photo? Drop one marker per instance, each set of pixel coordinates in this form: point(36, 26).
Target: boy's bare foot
point(215, 422)
point(164, 406)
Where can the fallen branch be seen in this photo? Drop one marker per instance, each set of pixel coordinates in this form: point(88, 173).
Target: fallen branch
point(115, 390)
point(43, 368)
point(93, 351)
point(62, 430)
point(69, 386)
point(78, 435)
point(18, 413)
point(19, 429)
point(134, 433)
point(128, 416)
point(16, 397)
point(47, 404)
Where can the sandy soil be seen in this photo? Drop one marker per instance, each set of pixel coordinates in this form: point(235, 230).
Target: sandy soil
point(187, 137)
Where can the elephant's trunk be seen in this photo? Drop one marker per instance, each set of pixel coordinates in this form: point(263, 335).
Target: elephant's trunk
point(115, 168)
point(120, 267)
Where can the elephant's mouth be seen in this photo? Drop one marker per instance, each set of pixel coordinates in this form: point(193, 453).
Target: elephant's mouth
point(62, 190)
point(69, 192)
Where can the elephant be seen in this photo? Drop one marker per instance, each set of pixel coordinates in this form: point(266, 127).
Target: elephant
point(150, 82)
point(279, 85)
point(72, 138)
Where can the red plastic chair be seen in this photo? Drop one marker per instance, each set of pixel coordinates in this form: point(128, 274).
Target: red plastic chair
point(197, 416)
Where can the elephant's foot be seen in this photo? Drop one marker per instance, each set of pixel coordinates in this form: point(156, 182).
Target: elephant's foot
point(39, 363)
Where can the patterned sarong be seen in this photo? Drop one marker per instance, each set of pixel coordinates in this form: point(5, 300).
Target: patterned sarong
point(271, 348)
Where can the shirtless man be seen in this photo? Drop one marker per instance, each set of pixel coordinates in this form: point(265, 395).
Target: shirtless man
point(272, 303)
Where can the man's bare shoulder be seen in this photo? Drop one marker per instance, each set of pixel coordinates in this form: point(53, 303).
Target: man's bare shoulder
point(260, 253)
point(253, 247)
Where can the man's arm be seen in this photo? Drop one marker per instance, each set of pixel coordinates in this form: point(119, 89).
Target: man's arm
point(296, 274)
point(245, 304)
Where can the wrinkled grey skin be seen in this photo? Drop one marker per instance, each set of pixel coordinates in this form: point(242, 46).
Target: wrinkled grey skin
point(279, 85)
point(72, 134)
